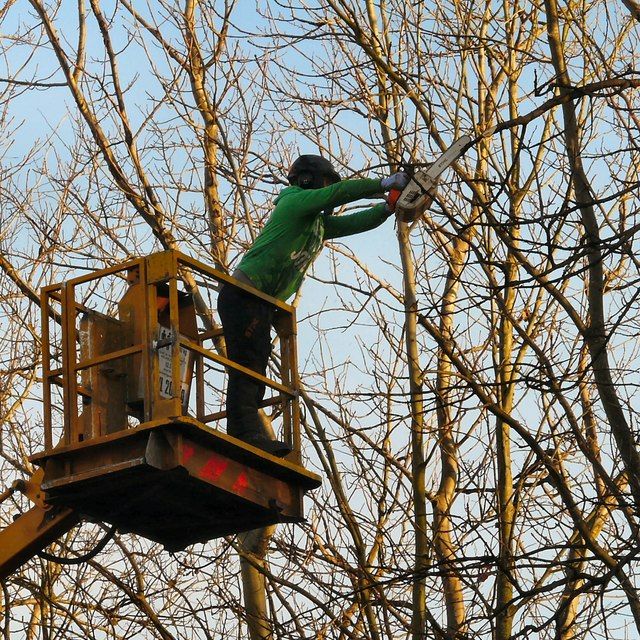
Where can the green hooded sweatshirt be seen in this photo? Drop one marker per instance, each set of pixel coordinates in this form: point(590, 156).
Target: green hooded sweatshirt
point(293, 236)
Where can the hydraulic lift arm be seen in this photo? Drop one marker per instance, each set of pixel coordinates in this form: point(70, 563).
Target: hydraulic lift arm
point(32, 531)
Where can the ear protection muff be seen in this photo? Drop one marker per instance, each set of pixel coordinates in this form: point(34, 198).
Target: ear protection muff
point(306, 180)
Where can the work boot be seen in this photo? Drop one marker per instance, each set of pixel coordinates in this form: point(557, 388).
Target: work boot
point(274, 447)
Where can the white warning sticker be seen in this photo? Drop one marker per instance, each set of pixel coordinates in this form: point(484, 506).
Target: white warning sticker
point(165, 354)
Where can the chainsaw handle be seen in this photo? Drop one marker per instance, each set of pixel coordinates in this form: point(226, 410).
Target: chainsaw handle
point(392, 198)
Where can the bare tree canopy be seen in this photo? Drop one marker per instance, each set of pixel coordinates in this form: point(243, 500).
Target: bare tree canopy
point(470, 380)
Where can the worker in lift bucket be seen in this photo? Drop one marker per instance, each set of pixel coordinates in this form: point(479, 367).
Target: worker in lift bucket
point(301, 222)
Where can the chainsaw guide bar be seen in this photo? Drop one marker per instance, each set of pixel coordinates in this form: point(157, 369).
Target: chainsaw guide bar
point(418, 194)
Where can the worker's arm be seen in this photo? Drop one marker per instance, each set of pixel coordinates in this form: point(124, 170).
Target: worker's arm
point(295, 202)
point(338, 226)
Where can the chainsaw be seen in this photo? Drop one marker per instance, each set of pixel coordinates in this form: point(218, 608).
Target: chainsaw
point(412, 201)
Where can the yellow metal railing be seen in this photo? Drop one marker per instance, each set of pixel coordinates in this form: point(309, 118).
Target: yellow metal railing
point(144, 363)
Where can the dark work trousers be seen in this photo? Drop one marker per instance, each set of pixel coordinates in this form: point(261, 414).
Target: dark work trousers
point(246, 322)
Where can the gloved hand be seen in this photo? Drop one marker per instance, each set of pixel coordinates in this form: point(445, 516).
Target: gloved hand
point(395, 181)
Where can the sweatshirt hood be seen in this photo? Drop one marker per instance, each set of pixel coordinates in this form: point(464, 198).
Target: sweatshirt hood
point(286, 191)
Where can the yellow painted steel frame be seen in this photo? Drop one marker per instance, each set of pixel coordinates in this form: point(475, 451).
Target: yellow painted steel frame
point(33, 530)
point(107, 362)
point(104, 466)
point(170, 269)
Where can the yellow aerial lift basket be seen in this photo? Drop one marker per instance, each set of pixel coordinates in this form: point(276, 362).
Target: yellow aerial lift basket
point(133, 402)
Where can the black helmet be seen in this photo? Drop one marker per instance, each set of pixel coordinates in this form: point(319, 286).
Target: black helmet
point(309, 172)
